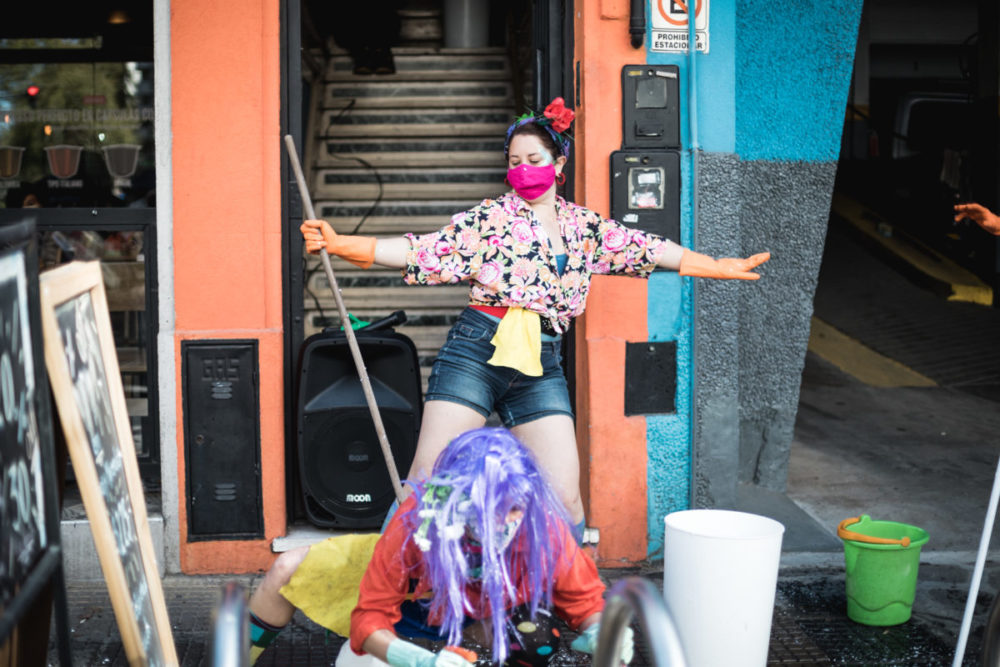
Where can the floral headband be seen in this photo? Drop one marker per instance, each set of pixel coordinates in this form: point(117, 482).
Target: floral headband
point(555, 119)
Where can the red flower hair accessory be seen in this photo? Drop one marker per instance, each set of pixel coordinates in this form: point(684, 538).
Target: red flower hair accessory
point(560, 116)
point(555, 120)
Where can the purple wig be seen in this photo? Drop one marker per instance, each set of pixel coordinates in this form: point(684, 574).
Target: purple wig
point(479, 479)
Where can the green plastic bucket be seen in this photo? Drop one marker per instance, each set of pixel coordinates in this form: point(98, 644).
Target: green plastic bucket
point(881, 559)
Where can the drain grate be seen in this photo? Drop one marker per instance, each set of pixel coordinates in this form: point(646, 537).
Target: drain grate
point(302, 642)
point(818, 609)
point(791, 646)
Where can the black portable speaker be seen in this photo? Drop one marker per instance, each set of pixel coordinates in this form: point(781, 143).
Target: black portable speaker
point(345, 480)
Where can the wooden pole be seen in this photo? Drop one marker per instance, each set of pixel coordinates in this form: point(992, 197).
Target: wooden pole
point(352, 341)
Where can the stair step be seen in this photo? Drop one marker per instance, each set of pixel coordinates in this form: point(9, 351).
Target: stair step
point(382, 227)
point(444, 65)
point(392, 183)
point(411, 190)
point(423, 122)
point(414, 160)
point(365, 92)
point(413, 152)
point(427, 340)
point(395, 209)
point(417, 320)
point(417, 298)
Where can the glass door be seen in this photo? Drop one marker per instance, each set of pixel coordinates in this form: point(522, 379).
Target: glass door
point(77, 155)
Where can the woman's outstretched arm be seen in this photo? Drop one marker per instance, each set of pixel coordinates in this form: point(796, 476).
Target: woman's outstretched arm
point(691, 263)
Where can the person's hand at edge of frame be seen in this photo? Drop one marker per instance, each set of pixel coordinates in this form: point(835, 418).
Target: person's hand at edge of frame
point(979, 214)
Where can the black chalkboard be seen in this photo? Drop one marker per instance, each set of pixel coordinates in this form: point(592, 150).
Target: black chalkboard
point(30, 555)
point(83, 369)
point(23, 535)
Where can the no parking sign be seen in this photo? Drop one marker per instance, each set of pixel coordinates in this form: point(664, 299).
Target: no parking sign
point(670, 26)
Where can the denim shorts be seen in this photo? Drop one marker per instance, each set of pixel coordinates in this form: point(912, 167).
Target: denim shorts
point(461, 375)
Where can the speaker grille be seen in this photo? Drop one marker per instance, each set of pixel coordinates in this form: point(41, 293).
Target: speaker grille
point(343, 470)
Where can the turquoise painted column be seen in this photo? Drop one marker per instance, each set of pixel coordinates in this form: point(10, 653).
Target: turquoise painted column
point(770, 97)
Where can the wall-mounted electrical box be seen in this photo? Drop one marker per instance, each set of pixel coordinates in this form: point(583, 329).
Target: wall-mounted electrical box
point(646, 190)
point(650, 107)
point(221, 396)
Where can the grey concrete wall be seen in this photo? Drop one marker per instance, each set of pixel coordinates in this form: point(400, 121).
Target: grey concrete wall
point(785, 207)
point(715, 405)
point(745, 404)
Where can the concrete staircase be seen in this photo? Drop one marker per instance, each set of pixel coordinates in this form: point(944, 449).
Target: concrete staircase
point(424, 143)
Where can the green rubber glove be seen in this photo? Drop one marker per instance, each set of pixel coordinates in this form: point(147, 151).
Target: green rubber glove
point(587, 643)
point(402, 653)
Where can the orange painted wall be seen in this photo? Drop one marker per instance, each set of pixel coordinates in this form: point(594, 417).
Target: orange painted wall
point(225, 93)
point(612, 446)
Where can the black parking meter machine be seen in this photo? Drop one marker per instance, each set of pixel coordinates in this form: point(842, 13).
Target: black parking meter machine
point(650, 107)
point(645, 173)
point(645, 191)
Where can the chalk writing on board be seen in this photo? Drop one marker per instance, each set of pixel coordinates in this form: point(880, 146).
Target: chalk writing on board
point(81, 344)
point(22, 505)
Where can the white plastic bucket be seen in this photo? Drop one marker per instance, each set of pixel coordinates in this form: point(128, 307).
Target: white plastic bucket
point(720, 571)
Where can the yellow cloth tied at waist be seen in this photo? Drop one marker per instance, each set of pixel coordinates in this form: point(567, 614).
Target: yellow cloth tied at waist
point(325, 586)
point(518, 342)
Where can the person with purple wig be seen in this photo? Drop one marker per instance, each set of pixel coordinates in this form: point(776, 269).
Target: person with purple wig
point(482, 549)
point(481, 553)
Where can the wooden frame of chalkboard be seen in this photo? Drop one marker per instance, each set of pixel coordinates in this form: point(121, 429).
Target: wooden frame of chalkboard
point(86, 383)
point(31, 567)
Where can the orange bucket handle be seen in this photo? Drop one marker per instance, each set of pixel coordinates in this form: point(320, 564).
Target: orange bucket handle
point(845, 534)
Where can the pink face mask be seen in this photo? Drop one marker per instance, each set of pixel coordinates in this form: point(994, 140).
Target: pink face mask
point(531, 182)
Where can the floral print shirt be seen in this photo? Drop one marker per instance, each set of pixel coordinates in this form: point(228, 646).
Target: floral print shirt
point(501, 248)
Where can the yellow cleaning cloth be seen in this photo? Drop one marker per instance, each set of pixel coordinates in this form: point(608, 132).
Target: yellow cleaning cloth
point(518, 342)
point(325, 586)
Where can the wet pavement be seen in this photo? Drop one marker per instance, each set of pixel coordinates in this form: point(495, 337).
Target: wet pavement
point(919, 455)
point(810, 626)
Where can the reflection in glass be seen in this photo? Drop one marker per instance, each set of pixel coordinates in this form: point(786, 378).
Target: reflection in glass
point(10, 161)
point(77, 134)
point(64, 161)
point(124, 271)
point(121, 159)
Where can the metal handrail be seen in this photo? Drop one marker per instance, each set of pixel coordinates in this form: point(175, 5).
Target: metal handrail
point(230, 628)
point(635, 596)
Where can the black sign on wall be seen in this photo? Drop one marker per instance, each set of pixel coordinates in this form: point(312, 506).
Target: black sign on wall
point(650, 377)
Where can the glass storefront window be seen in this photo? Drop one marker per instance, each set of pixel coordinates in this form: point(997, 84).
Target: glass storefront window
point(76, 134)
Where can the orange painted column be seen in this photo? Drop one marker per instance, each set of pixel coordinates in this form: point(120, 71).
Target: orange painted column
point(612, 446)
point(225, 90)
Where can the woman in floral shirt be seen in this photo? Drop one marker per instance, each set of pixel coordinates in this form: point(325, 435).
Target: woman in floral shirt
point(528, 256)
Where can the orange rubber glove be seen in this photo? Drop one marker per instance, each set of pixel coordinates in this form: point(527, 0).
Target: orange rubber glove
point(702, 266)
point(469, 655)
point(981, 215)
point(319, 235)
